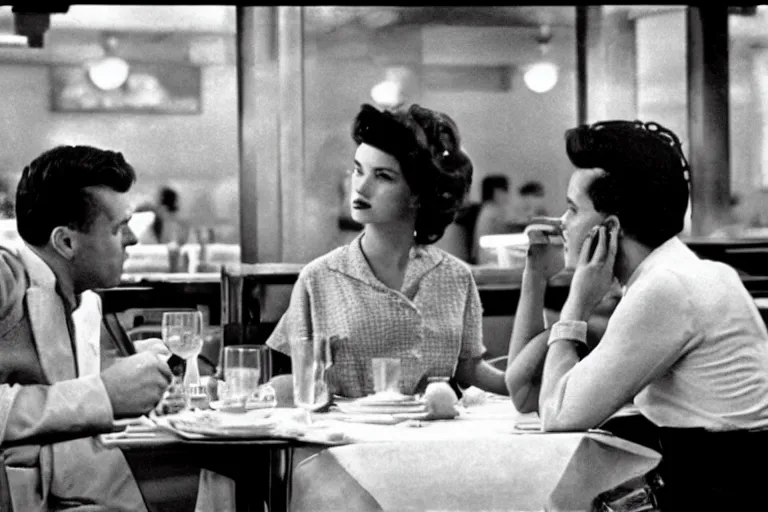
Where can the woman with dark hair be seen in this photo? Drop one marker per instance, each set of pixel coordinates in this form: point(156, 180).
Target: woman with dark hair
point(390, 292)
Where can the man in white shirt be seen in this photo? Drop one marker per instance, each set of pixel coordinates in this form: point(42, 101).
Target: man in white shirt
point(686, 341)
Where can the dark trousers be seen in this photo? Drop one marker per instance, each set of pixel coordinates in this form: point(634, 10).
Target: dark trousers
point(702, 470)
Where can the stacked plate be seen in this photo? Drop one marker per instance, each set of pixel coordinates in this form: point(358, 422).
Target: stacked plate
point(383, 403)
point(215, 424)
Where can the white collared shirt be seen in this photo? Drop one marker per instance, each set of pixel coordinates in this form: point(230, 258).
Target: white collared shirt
point(86, 320)
point(686, 340)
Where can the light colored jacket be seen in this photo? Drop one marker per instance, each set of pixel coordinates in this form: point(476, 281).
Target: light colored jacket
point(40, 394)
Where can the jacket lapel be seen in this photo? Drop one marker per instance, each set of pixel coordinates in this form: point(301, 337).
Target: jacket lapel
point(48, 320)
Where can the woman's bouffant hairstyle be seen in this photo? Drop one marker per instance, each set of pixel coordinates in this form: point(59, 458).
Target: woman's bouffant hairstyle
point(427, 145)
point(644, 179)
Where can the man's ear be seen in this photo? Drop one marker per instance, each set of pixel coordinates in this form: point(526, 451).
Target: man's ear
point(64, 241)
point(611, 221)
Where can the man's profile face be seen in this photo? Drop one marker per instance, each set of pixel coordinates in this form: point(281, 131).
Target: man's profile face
point(98, 261)
point(580, 216)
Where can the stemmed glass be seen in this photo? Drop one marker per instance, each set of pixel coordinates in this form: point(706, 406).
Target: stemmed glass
point(183, 335)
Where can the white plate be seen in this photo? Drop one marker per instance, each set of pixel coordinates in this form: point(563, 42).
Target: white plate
point(220, 405)
point(394, 399)
point(354, 408)
point(214, 423)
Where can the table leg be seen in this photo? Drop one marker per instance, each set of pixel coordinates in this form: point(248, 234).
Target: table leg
point(248, 497)
point(279, 481)
point(272, 487)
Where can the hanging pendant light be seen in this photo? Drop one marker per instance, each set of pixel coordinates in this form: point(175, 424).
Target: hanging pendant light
point(393, 92)
point(110, 72)
point(542, 76)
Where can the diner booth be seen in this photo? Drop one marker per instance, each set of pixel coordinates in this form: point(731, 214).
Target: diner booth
point(259, 153)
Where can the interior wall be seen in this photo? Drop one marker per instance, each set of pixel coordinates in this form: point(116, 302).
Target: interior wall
point(516, 132)
point(197, 154)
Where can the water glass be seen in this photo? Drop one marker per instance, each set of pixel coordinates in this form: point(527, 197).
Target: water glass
point(246, 368)
point(182, 333)
point(309, 363)
point(386, 374)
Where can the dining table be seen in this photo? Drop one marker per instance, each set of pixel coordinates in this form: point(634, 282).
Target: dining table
point(489, 457)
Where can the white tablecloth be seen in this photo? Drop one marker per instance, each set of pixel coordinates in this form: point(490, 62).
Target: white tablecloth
point(479, 461)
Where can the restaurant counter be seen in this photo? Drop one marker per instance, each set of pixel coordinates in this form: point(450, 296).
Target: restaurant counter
point(499, 289)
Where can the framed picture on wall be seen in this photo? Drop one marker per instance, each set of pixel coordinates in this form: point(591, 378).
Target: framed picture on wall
point(126, 87)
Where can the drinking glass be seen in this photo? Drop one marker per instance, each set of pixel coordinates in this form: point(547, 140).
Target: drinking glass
point(247, 368)
point(183, 335)
point(386, 374)
point(308, 365)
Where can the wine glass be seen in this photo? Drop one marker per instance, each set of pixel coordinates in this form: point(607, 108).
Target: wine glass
point(309, 363)
point(183, 335)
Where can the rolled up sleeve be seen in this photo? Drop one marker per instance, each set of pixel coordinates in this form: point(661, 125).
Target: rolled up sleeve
point(472, 335)
point(297, 319)
point(646, 335)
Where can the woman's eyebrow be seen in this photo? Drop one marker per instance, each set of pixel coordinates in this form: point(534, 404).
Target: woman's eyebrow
point(379, 168)
point(389, 169)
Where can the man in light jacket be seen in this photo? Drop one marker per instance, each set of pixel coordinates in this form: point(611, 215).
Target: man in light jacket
point(72, 213)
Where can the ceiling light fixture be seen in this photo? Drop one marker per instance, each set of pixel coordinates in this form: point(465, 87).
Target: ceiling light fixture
point(394, 91)
point(110, 72)
point(542, 76)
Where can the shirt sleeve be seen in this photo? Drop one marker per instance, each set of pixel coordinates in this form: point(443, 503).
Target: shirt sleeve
point(297, 319)
point(472, 335)
point(76, 406)
point(649, 331)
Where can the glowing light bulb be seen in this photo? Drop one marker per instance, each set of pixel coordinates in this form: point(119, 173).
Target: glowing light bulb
point(387, 94)
point(109, 73)
point(541, 77)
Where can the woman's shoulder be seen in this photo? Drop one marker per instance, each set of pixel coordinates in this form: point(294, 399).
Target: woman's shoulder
point(325, 262)
point(448, 262)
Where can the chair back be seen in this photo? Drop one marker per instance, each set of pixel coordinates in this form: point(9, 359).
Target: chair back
point(5, 489)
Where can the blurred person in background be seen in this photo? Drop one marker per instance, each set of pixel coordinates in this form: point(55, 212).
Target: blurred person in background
point(532, 201)
point(167, 227)
point(72, 211)
point(492, 219)
point(7, 207)
point(391, 283)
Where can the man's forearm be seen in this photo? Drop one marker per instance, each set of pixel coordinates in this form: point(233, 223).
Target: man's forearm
point(529, 320)
point(561, 357)
point(573, 309)
point(72, 406)
point(478, 373)
point(524, 372)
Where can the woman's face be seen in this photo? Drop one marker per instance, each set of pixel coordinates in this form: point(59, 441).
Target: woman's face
point(380, 193)
point(580, 216)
